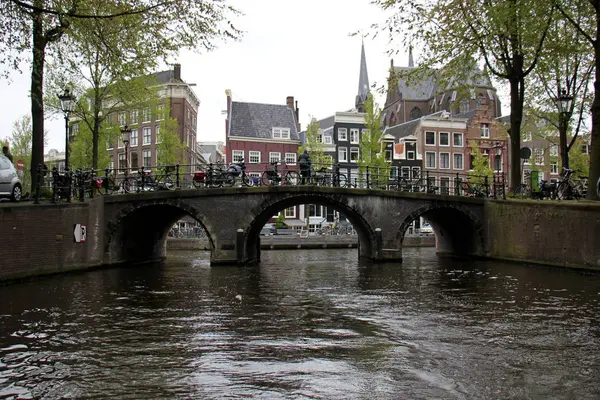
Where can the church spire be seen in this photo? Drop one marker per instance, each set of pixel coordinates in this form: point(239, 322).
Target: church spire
point(411, 63)
point(363, 82)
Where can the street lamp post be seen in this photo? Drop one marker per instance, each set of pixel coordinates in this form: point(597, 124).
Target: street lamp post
point(563, 103)
point(126, 133)
point(67, 105)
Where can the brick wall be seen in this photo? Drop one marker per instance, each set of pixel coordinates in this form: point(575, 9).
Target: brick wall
point(38, 239)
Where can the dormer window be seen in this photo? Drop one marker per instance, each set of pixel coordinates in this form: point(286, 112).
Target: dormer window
point(281, 133)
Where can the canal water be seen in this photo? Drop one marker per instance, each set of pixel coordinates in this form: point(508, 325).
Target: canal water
point(306, 324)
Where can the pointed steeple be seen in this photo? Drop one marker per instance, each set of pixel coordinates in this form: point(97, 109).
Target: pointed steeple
point(411, 63)
point(363, 82)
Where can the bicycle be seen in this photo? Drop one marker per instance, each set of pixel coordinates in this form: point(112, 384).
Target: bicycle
point(272, 177)
point(324, 177)
point(213, 177)
point(239, 170)
point(162, 181)
point(567, 188)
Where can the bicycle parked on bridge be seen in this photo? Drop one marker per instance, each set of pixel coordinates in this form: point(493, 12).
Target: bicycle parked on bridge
point(272, 177)
point(215, 176)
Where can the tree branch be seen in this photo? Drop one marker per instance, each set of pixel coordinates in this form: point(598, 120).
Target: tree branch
point(73, 14)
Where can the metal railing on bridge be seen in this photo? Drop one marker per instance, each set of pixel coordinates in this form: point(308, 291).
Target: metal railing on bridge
point(83, 184)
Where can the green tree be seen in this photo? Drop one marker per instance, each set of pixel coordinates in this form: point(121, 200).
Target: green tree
point(371, 147)
point(580, 161)
point(314, 145)
point(164, 26)
point(81, 155)
point(280, 222)
point(170, 147)
point(507, 34)
point(481, 171)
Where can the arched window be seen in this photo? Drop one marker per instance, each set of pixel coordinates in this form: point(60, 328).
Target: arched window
point(415, 113)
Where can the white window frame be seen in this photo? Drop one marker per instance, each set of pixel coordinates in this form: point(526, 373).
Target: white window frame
point(354, 150)
point(449, 162)
point(133, 138)
point(484, 130)
point(327, 139)
point(144, 142)
point(121, 118)
point(149, 152)
point(342, 151)
point(342, 134)
point(554, 167)
point(539, 155)
point(274, 156)
point(290, 158)
point(281, 133)
point(462, 161)
point(237, 156)
point(135, 116)
point(160, 109)
point(440, 139)
point(157, 134)
point(427, 159)
point(409, 153)
point(290, 212)
point(553, 150)
point(354, 136)
point(432, 135)
point(461, 136)
point(146, 114)
point(256, 155)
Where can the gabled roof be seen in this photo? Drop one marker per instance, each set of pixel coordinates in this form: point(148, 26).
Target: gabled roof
point(469, 115)
point(404, 129)
point(413, 88)
point(256, 120)
point(167, 77)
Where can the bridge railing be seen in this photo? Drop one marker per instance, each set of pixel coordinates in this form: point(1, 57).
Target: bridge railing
point(83, 184)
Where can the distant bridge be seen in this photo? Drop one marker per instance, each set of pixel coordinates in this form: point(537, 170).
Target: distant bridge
point(136, 225)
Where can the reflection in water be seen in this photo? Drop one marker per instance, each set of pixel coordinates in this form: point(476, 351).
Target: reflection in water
point(305, 324)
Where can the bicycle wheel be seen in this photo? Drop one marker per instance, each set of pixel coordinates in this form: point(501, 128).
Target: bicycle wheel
point(126, 186)
point(292, 178)
point(521, 191)
point(341, 181)
point(228, 180)
point(167, 183)
point(246, 181)
point(267, 179)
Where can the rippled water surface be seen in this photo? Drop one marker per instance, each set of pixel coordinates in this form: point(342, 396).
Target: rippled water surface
point(306, 324)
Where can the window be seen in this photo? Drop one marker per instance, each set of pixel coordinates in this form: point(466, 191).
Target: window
point(445, 160)
point(121, 118)
point(327, 139)
point(133, 138)
point(498, 162)
point(444, 139)
point(485, 130)
point(585, 148)
point(342, 154)
point(554, 167)
point(526, 137)
point(134, 160)
point(410, 155)
point(342, 134)
point(539, 156)
point(111, 165)
point(160, 112)
point(281, 133)
point(274, 157)
point(405, 172)
point(290, 158)
point(430, 138)
point(430, 159)
point(254, 157)
point(122, 166)
point(354, 136)
point(354, 154)
point(554, 150)
point(134, 117)
point(157, 133)
point(147, 157)
point(457, 139)
point(445, 185)
point(147, 136)
point(416, 172)
point(237, 156)
point(458, 161)
point(146, 116)
point(290, 212)
point(75, 129)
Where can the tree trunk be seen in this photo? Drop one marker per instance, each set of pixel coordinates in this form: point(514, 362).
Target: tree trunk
point(594, 173)
point(562, 140)
point(95, 136)
point(37, 97)
point(516, 117)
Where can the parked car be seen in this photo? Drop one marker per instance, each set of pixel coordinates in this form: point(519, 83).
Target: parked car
point(268, 229)
point(10, 184)
point(426, 228)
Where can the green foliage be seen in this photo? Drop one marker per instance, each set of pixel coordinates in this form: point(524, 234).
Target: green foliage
point(481, 166)
point(82, 148)
point(314, 145)
point(170, 147)
point(280, 222)
point(372, 151)
point(579, 161)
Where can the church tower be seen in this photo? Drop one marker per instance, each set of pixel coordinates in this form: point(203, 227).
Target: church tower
point(363, 82)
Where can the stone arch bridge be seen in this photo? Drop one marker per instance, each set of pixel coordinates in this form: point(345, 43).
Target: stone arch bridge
point(136, 225)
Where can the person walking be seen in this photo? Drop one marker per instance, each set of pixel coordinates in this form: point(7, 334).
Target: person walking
point(7, 153)
point(305, 163)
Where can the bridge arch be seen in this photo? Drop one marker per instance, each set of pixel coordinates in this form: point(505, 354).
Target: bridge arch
point(139, 230)
point(457, 229)
point(274, 204)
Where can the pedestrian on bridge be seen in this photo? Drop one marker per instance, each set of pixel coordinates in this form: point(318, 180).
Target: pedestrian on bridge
point(6, 153)
point(305, 163)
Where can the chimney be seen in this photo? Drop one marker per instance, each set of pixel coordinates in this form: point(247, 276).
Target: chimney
point(290, 102)
point(228, 94)
point(177, 72)
point(297, 116)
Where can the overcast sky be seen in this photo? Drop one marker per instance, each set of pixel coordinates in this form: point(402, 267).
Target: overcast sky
point(290, 48)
